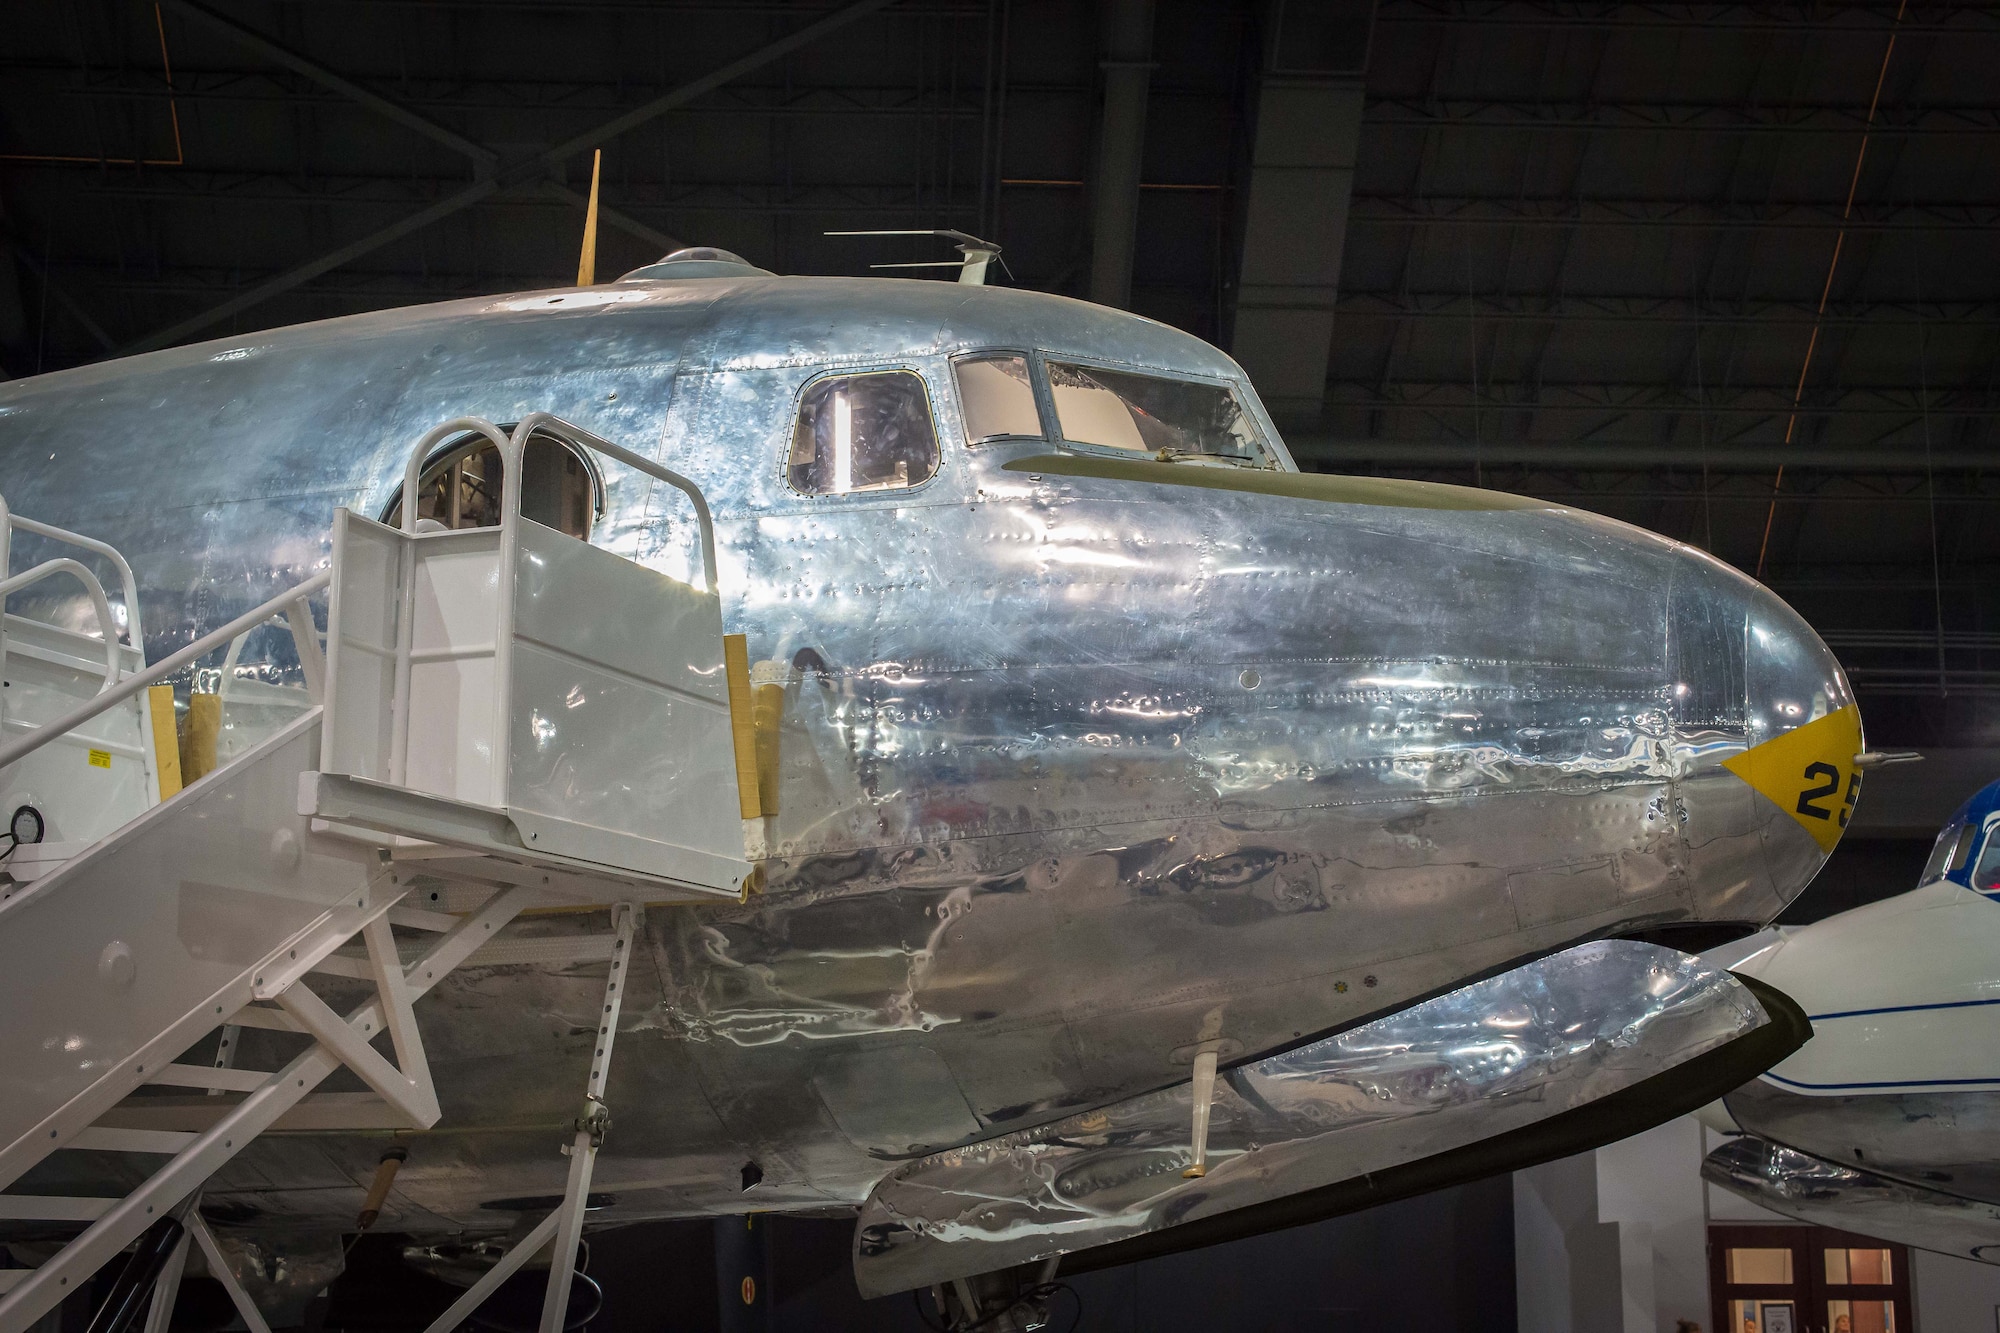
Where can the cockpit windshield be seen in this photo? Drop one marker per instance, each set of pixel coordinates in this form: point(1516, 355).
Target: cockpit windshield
point(1171, 418)
point(1953, 849)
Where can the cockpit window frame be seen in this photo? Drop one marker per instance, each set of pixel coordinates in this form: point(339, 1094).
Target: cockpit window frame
point(1971, 851)
point(874, 495)
point(1038, 382)
point(1246, 403)
point(600, 500)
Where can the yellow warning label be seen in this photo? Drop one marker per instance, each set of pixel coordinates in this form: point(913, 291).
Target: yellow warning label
point(1809, 772)
point(100, 758)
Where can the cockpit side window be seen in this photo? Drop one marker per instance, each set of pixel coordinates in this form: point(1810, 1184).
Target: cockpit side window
point(996, 394)
point(1986, 875)
point(867, 432)
point(460, 488)
point(1117, 409)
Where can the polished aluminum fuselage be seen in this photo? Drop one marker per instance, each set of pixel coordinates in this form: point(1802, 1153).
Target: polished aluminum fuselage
point(1079, 770)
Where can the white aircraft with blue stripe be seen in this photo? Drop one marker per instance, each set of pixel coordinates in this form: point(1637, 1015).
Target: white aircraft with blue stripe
point(1888, 1120)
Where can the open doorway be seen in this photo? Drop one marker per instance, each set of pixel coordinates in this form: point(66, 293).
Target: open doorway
point(460, 488)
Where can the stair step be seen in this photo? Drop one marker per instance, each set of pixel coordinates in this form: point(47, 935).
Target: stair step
point(99, 1138)
point(205, 1076)
point(416, 918)
point(53, 1208)
point(319, 1112)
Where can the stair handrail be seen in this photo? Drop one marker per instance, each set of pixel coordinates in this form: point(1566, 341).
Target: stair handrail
point(16, 750)
point(511, 450)
point(98, 601)
point(130, 584)
point(548, 423)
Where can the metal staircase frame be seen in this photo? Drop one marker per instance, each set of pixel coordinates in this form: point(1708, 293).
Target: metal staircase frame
point(11, 522)
point(338, 1039)
point(405, 829)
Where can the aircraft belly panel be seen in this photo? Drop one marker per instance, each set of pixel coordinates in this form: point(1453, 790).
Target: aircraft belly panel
point(1464, 1067)
point(1848, 1198)
point(1946, 1140)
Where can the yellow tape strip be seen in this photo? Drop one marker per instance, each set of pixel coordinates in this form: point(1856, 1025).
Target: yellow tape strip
point(742, 723)
point(204, 732)
point(166, 738)
point(770, 715)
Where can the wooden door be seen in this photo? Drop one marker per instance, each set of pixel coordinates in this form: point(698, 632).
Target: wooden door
point(1791, 1279)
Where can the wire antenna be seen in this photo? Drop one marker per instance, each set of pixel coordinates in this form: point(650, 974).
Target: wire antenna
point(976, 254)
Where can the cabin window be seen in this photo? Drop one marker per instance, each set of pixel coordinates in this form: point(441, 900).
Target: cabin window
point(461, 488)
point(867, 432)
point(997, 395)
point(1116, 409)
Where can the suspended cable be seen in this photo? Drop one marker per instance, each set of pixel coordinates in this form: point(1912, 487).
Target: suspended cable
point(1826, 291)
point(1701, 439)
point(1472, 348)
point(1930, 476)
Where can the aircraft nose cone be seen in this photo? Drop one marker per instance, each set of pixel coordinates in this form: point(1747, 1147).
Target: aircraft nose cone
point(1768, 731)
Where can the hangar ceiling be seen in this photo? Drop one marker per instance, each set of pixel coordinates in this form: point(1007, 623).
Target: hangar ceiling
point(1634, 257)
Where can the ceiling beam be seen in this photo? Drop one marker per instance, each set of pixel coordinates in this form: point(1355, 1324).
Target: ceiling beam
point(312, 268)
point(688, 92)
point(1382, 210)
point(1665, 117)
point(1126, 45)
point(211, 189)
point(1942, 18)
point(631, 226)
point(528, 173)
point(268, 88)
point(1585, 308)
point(482, 157)
point(1304, 150)
point(52, 290)
point(1897, 399)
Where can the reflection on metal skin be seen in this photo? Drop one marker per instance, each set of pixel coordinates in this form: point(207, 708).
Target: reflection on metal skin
point(1935, 1137)
point(1829, 1195)
point(1488, 1058)
point(1075, 770)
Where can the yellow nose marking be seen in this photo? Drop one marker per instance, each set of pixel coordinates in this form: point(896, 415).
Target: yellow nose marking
point(1809, 773)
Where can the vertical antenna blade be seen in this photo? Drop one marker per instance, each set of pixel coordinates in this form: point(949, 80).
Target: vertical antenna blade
point(586, 266)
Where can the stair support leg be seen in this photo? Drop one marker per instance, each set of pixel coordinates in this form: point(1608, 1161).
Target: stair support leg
point(590, 1128)
point(386, 963)
point(219, 1269)
point(475, 1295)
point(167, 1287)
point(335, 1034)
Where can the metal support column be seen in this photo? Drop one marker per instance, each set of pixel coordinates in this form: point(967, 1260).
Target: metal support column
point(1295, 215)
point(1121, 148)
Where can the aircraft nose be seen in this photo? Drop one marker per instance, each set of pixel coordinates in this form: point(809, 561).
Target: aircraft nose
point(1769, 770)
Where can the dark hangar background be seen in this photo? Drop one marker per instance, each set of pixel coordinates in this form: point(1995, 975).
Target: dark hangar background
point(1725, 270)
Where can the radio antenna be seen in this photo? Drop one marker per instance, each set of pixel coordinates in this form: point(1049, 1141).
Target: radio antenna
point(976, 254)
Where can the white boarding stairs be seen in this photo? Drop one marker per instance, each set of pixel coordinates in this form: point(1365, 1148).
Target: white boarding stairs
point(528, 717)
